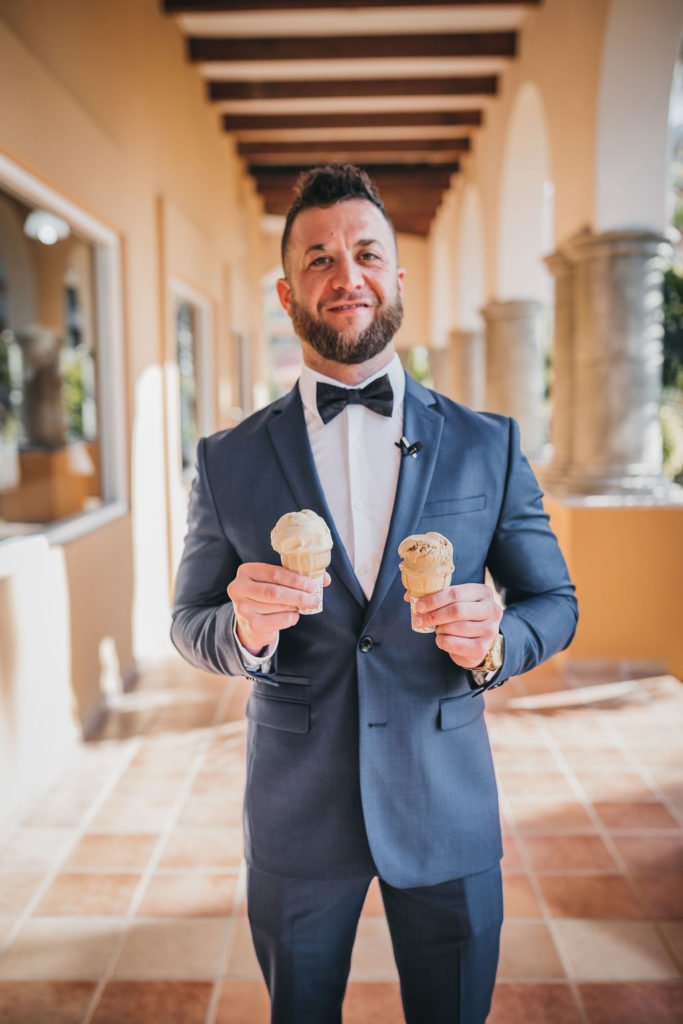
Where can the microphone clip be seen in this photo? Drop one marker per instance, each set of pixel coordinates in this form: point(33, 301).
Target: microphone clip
point(406, 448)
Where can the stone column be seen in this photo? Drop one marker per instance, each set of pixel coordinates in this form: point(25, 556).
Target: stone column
point(514, 367)
point(562, 419)
point(616, 442)
point(440, 366)
point(468, 367)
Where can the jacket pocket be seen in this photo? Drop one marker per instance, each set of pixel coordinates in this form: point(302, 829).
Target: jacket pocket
point(278, 713)
point(275, 678)
point(454, 506)
point(454, 712)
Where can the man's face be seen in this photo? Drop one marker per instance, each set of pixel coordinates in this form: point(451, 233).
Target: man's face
point(343, 286)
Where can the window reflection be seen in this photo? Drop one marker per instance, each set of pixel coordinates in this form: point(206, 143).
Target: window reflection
point(187, 354)
point(49, 444)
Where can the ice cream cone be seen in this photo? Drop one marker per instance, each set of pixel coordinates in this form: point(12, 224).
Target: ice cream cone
point(304, 543)
point(427, 568)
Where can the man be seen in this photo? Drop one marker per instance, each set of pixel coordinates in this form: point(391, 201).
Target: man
point(367, 749)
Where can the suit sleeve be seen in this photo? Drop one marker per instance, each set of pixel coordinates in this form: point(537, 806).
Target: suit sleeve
point(525, 561)
point(203, 615)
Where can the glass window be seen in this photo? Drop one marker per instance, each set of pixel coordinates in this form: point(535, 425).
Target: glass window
point(49, 431)
point(187, 353)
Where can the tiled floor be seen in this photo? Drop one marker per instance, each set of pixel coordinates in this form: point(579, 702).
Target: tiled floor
point(122, 893)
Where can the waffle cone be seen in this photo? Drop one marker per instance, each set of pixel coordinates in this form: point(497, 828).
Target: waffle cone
point(420, 584)
point(308, 563)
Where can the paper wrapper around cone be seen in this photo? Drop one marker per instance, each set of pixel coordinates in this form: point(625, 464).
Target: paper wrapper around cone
point(419, 585)
point(308, 563)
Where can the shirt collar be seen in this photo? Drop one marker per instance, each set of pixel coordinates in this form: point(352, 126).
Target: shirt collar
point(309, 379)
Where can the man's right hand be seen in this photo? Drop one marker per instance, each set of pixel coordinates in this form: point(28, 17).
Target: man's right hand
point(266, 599)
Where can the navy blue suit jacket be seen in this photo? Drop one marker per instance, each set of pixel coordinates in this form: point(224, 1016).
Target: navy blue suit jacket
point(371, 756)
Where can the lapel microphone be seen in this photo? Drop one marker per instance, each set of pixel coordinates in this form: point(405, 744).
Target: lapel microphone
point(406, 448)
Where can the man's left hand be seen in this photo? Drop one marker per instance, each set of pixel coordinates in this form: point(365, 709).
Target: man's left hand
point(466, 618)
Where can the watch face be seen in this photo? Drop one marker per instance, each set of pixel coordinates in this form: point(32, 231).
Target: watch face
point(495, 655)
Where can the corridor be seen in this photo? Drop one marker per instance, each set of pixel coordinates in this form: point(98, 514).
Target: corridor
point(122, 893)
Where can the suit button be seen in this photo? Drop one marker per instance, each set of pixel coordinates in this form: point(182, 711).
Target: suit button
point(366, 644)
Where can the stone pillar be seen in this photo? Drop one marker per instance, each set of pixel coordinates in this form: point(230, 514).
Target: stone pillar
point(468, 367)
point(562, 419)
point(440, 364)
point(616, 442)
point(514, 367)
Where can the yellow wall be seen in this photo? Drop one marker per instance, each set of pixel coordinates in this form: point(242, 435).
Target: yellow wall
point(99, 101)
point(627, 564)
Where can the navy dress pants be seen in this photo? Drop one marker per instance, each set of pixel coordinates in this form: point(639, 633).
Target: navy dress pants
point(445, 940)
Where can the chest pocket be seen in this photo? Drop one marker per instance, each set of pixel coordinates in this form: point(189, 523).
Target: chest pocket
point(454, 506)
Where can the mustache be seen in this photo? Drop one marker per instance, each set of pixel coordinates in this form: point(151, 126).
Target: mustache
point(350, 300)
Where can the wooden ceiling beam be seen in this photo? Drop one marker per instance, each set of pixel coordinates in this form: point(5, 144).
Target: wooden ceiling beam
point(409, 119)
point(395, 173)
point(470, 85)
point(228, 6)
point(397, 145)
point(279, 48)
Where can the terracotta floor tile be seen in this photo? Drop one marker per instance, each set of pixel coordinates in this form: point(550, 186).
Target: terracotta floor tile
point(151, 1002)
point(35, 849)
point(218, 783)
point(123, 814)
point(372, 1002)
point(673, 938)
point(651, 853)
point(515, 1003)
point(80, 894)
point(549, 815)
point(191, 894)
point(554, 785)
point(7, 925)
point(31, 1002)
point(54, 948)
point(137, 784)
point(63, 809)
point(187, 949)
point(373, 955)
point(597, 761)
point(614, 951)
point(243, 1002)
point(373, 906)
point(206, 848)
point(241, 963)
point(16, 889)
point(528, 951)
point(211, 812)
point(112, 851)
point(519, 897)
point(638, 1003)
point(616, 787)
point(512, 861)
point(594, 896)
point(662, 893)
point(635, 815)
point(551, 853)
point(527, 762)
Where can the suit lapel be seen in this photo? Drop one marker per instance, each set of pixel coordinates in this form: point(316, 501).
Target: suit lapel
point(287, 429)
point(420, 423)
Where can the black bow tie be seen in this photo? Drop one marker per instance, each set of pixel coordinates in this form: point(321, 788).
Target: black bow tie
point(377, 396)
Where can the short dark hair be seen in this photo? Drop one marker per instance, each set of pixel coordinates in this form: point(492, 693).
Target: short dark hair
point(327, 185)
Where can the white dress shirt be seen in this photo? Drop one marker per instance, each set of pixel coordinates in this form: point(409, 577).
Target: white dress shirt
point(358, 464)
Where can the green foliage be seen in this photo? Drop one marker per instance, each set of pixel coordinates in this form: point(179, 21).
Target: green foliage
point(74, 396)
point(672, 371)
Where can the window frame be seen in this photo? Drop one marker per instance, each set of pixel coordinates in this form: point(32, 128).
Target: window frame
point(111, 404)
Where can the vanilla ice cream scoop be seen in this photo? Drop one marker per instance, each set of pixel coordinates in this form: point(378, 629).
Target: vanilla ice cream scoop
point(427, 567)
point(304, 544)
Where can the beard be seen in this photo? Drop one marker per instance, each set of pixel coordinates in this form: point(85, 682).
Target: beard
point(331, 344)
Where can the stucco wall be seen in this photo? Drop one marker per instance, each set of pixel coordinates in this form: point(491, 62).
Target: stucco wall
point(98, 101)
